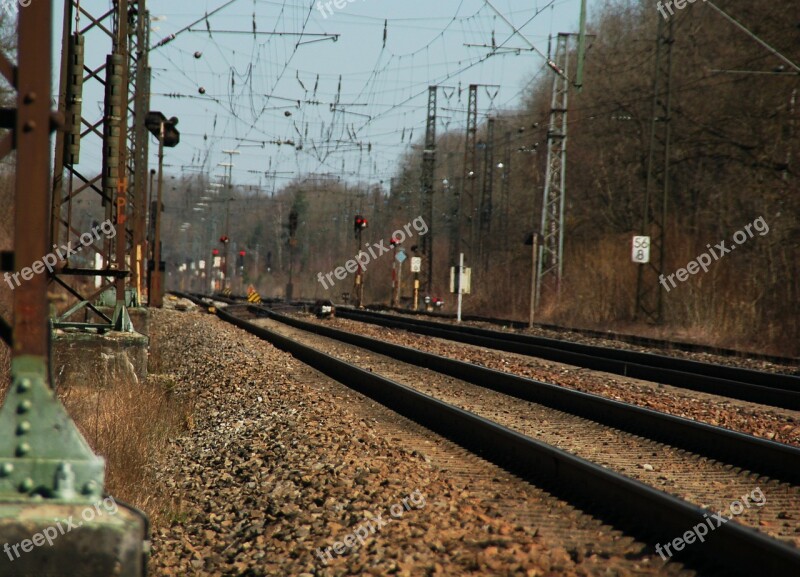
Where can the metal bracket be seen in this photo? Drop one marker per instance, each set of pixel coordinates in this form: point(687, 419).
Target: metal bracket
point(42, 453)
point(122, 320)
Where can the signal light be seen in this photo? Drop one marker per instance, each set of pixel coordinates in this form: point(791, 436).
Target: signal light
point(360, 222)
point(215, 251)
point(394, 242)
point(223, 239)
point(242, 253)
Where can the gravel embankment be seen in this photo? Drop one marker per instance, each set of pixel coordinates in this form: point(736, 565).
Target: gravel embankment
point(689, 476)
point(741, 360)
point(773, 423)
point(282, 461)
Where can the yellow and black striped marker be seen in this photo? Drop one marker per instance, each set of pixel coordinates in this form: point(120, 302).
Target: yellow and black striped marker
point(254, 298)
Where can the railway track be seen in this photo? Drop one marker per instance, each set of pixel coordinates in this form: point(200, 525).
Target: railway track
point(595, 334)
point(772, 389)
point(633, 505)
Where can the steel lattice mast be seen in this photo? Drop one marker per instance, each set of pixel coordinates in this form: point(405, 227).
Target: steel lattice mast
point(649, 302)
point(550, 258)
point(119, 184)
point(426, 190)
point(466, 207)
point(487, 190)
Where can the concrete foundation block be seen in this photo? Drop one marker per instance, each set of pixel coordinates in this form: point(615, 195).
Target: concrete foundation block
point(80, 358)
point(61, 540)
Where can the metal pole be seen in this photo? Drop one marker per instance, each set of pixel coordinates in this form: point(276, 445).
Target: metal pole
point(226, 283)
point(458, 278)
point(426, 188)
point(581, 47)
point(226, 248)
point(649, 297)
point(393, 295)
point(139, 148)
point(359, 278)
point(416, 291)
point(150, 224)
point(399, 299)
point(290, 286)
point(534, 250)
point(121, 319)
point(254, 278)
point(60, 140)
point(156, 299)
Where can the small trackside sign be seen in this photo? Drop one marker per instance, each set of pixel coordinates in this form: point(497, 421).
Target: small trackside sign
point(640, 252)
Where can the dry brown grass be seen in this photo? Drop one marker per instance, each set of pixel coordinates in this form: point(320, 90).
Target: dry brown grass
point(727, 306)
point(5, 370)
point(130, 425)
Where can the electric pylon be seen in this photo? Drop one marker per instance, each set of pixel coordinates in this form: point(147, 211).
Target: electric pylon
point(550, 265)
point(649, 303)
point(426, 190)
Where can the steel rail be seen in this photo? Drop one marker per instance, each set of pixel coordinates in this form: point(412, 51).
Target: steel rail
point(773, 389)
point(767, 457)
point(597, 334)
point(647, 513)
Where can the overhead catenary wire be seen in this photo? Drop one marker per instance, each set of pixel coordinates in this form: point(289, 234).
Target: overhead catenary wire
point(250, 107)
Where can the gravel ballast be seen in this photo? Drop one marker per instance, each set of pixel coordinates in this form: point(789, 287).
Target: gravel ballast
point(284, 469)
point(781, 425)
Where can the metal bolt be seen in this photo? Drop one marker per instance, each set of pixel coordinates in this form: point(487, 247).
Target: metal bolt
point(23, 449)
point(23, 428)
point(24, 385)
point(25, 406)
point(64, 481)
point(30, 97)
point(26, 485)
point(29, 126)
point(90, 488)
point(6, 469)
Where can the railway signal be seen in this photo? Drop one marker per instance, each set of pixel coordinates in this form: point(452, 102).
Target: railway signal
point(360, 223)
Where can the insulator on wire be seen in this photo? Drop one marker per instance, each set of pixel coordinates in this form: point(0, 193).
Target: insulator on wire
point(74, 99)
point(115, 96)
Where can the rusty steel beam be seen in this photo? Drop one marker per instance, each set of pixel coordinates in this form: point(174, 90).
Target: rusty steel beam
point(32, 200)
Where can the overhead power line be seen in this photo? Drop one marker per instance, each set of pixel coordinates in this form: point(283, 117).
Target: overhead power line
point(172, 36)
point(752, 35)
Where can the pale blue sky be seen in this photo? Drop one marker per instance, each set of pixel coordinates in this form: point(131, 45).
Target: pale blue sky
point(252, 84)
